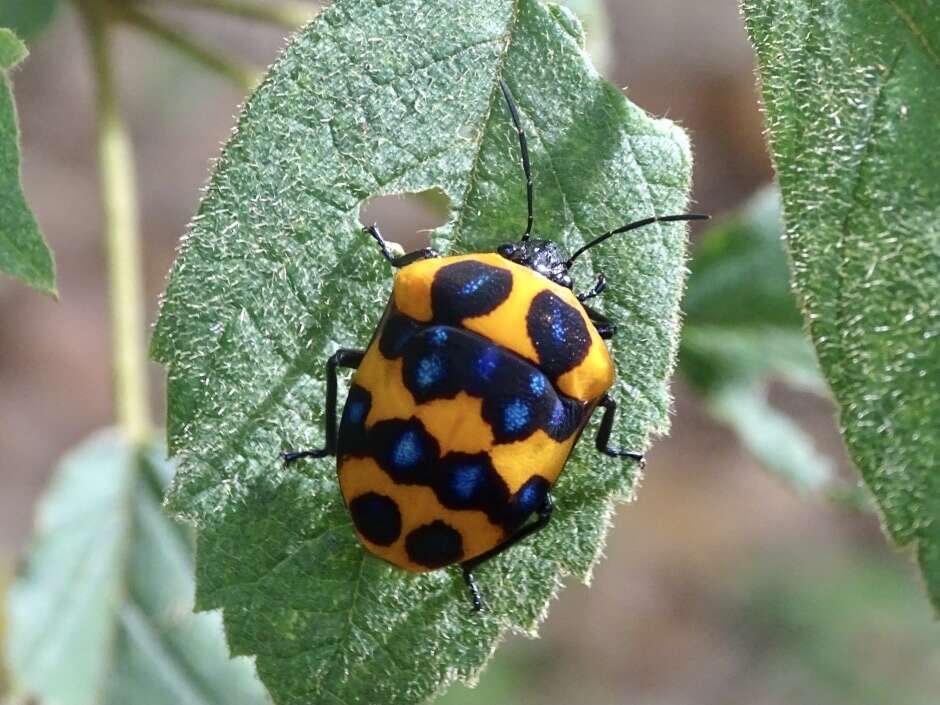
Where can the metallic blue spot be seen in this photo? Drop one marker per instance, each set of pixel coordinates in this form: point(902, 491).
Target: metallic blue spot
point(472, 286)
point(529, 497)
point(430, 370)
point(356, 411)
point(465, 481)
point(537, 384)
point(516, 416)
point(408, 451)
point(558, 327)
point(486, 363)
point(438, 335)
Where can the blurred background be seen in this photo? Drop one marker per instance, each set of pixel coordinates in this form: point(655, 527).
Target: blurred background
point(721, 584)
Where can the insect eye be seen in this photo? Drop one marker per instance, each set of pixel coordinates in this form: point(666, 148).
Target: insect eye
point(507, 250)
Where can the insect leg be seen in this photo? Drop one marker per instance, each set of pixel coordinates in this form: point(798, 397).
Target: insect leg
point(475, 598)
point(605, 329)
point(599, 285)
point(543, 515)
point(524, 148)
point(341, 358)
point(603, 433)
point(401, 260)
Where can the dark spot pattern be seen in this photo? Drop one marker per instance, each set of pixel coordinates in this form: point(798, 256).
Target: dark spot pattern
point(558, 333)
point(376, 517)
point(430, 368)
point(467, 289)
point(526, 500)
point(469, 481)
point(565, 418)
point(404, 450)
point(397, 330)
point(434, 545)
point(353, 438)
point(439, 362)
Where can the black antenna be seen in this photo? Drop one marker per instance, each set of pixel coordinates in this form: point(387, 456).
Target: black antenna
point(524, 148)
point(634, 226)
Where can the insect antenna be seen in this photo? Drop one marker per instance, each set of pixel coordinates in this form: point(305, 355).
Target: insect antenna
point(634, 226)
point(524, 148)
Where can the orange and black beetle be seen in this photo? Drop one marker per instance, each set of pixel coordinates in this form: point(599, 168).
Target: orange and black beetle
point(467, 402)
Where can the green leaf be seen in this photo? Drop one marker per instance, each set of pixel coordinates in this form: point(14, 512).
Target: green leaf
point(101, 610)
point(852, 91)
point(742, 330)
point(739, 273)
point(12, 50)
point(772, 437)
point(23, 252)
point(27, 17)
point(592, 15)
point(379, 98)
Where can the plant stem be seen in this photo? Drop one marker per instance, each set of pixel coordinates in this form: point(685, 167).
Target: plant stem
point(122, 237)
point(244, 77)
point(289, 15)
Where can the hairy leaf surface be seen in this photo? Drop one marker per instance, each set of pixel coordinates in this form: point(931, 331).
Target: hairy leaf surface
point(852, 91)
point(23, 252)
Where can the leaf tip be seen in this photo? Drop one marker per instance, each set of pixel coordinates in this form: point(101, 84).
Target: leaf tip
point(12, 49)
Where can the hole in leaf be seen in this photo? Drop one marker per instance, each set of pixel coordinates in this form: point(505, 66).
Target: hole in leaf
point(407, 218)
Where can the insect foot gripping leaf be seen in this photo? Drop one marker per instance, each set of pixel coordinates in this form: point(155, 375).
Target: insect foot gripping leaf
point(852, 91)
point(375, 98)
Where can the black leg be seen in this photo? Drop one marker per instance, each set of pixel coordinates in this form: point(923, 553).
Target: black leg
point(603, 433)
point(401, 260)
point(524, 148)
point(605, 329)
point(341, 358)
point(474, 590)
point(599, 285)
point(544, 514)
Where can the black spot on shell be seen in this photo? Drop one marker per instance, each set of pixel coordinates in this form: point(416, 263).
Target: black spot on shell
point(526, 500)
point(469, 481)
point(434, 545)
point(397, 331)
point(434, 363)
point(352, 439)
point(404, 450)
point(467, 289)
point(558, 333)
point(376, 517)
point(565, 418)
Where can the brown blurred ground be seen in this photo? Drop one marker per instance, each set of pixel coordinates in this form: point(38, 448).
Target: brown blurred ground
point(670, 618)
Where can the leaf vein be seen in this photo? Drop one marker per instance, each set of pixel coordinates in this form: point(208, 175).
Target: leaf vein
point(918, 33)
point(841, 318)
point(475, 163)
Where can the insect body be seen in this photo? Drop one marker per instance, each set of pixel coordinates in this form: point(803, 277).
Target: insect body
point(466, 404)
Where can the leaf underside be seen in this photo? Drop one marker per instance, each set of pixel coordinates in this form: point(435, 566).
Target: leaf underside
point(100, 612)
point(852, 92)
point(379, 98)
point(23, 252)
